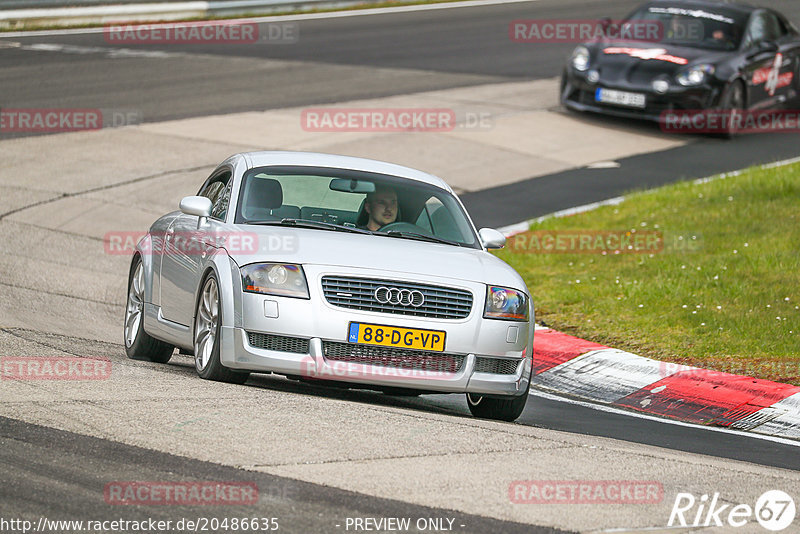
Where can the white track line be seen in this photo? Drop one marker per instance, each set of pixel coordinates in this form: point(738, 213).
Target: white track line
point(617, 411)
point(523, 226)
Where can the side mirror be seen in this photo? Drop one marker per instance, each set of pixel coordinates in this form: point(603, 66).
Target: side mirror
point(768, 46)
point(491, 238)
point(199, 206)
point(763, 47)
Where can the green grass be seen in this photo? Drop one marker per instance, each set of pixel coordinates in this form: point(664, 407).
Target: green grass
point(730, 303)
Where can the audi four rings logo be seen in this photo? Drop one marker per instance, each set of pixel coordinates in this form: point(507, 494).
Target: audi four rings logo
point(403, 297)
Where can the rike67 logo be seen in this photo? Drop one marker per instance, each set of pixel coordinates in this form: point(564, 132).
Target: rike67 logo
point(774, 510)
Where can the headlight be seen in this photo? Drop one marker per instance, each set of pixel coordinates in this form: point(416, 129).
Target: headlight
point(283, 279)
point(505, 303)
point(580, 58)
point(695, 75)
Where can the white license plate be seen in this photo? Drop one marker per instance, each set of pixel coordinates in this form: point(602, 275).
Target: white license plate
point(620, 98)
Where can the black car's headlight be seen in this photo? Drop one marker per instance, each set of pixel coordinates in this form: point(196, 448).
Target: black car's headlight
point(580, 58)
point(283, 279)
point(695, 75)
point(505, 303)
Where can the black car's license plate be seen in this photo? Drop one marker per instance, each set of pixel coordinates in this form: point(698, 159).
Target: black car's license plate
point(620, 98)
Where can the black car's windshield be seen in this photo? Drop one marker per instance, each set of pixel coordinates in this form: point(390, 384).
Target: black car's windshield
point(355, 201)
point(716, 28)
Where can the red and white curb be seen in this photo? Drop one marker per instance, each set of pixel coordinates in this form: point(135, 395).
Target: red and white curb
point(573, 367)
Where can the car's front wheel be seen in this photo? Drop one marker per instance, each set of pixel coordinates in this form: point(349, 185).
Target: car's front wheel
point(207, 324)
point(139, 345)
point(732, 102)
point(497, 408)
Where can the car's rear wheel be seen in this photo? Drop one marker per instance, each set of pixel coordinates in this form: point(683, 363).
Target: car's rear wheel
point(207, 324)
point(139, 345)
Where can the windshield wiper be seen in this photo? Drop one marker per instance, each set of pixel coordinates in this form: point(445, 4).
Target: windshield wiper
point(420, 237)
point(305, 223)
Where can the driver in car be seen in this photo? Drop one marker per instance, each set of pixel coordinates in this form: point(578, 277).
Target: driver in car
point(381, 208)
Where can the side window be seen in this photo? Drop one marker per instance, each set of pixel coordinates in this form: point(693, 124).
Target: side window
point(780, 27)
point(212, 191)
point(214, 188)
point(763, 26)
point(220, 209)
point(756, 30)
point(218, 192)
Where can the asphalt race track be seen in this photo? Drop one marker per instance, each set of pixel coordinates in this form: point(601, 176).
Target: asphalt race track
point(318, 455)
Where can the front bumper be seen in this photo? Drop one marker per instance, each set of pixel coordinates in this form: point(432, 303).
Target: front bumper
point(308, 339)
point(314, 365)
point(577, 93)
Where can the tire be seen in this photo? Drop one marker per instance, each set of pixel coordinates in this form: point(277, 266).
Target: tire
point(139, 345)
point(207, 325)
point(794, 101)
point(562, 87)
point(732, 99)
point(498, 409)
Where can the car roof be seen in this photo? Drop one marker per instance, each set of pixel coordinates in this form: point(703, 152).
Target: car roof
point(315, 159)
point(710, 4)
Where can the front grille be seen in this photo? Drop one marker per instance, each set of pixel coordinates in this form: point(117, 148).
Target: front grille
point(388, 357)
point(359, 294)
point(496, 366)
point(278, 343)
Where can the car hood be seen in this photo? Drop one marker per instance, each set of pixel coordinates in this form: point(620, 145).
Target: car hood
point(374, 253)
point(641, 63)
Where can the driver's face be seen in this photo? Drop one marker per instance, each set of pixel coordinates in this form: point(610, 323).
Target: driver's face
point(382, 209)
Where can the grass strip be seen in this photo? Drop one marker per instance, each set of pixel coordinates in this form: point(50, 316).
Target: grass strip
point(719, 291)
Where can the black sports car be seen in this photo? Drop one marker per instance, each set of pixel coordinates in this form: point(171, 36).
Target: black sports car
point(707, 55)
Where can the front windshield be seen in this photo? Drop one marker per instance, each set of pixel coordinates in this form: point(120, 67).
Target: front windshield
point(712, 29)
point(351, 199)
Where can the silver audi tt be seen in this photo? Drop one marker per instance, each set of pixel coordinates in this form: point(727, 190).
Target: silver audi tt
point(333, 269)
